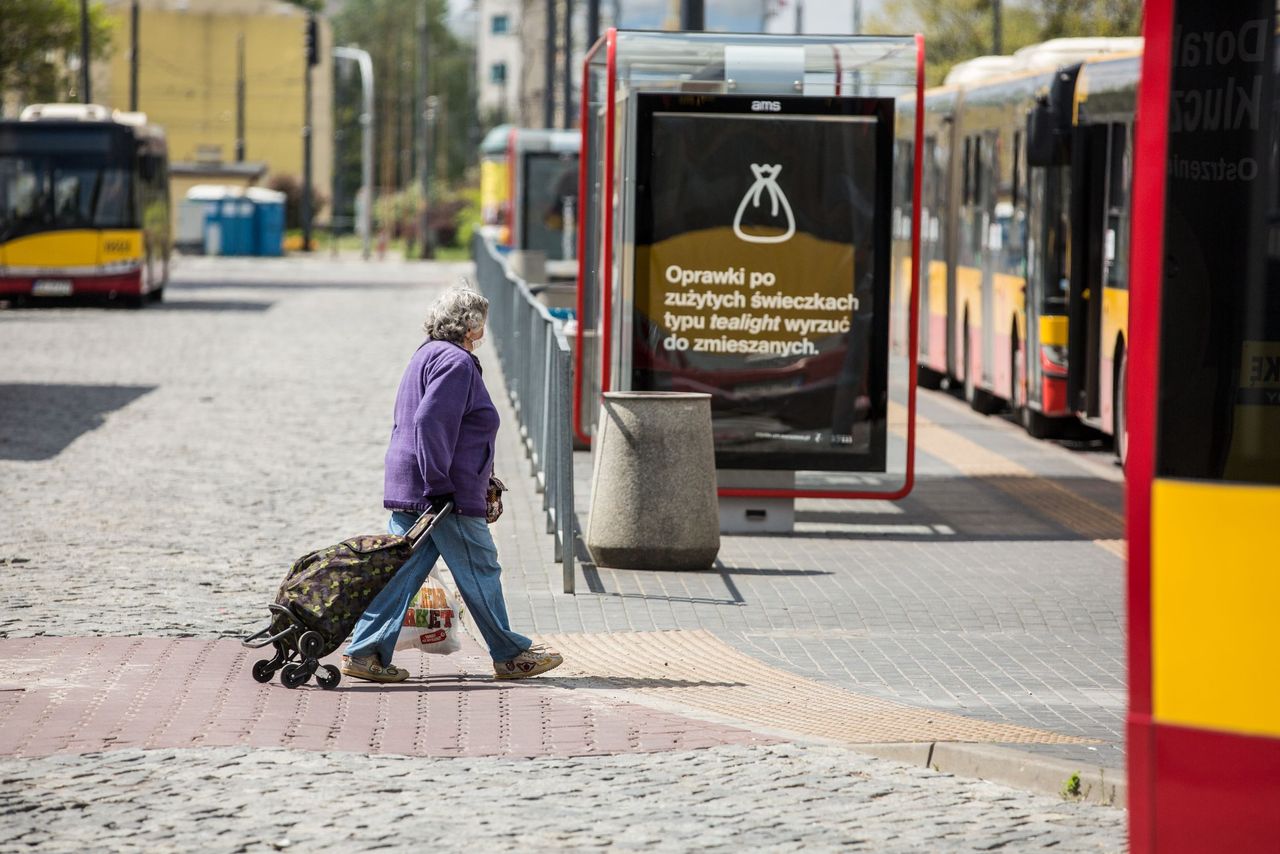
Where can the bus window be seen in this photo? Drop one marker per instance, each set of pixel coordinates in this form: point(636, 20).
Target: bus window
point(1017, 167)
point(87, 196)
point(20, 193)
point(1218, 412)
point(1119, 178)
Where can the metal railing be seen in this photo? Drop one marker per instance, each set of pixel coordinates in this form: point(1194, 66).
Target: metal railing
point(538, 367)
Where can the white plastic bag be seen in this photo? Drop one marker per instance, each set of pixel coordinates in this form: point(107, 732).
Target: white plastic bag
point(433, 621)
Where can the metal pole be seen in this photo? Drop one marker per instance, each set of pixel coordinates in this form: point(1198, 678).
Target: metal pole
point(857, 17)
point(133, 57)
point(306, 141)
point(566, 120)
point(693, 15)
point(424, 130)
point(86, 93)
point(799, 17)
point(240, 98)
point(337, 192)
point(365, 207)
point(549, 69)
point(593, 22)
point(997, 37)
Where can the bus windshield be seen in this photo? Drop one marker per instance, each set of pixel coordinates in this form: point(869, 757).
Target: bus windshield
point(43, 193)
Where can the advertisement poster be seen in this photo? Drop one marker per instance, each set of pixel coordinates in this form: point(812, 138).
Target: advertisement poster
point(761, 272)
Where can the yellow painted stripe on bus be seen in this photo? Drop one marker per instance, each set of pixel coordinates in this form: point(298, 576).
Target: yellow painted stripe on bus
point(1115, 317)
point(1214, 589)
point(74, 248)
point(1010, 295)
point(1053, 330)
point(969, 292)
point(121, 245)
point(903, 282)
point(938, 288)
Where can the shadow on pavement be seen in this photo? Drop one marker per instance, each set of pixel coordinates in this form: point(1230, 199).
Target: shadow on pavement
point(292, 285)
point(212, 305)
point(488, 683)
point(38, 422)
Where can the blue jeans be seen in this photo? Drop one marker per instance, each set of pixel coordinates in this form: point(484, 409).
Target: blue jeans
point(467, 546)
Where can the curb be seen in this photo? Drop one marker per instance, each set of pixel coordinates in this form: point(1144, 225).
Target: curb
point(1044, 774)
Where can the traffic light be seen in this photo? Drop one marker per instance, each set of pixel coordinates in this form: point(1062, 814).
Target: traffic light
point(313, 41)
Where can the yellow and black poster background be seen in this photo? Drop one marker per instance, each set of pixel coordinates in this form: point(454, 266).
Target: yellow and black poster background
point(761, 272)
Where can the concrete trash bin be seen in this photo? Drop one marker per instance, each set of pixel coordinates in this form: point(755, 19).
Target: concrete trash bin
point(653, 487)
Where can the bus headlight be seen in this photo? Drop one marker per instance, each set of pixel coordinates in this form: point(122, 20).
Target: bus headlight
point(1055, 355)
point(115, 268)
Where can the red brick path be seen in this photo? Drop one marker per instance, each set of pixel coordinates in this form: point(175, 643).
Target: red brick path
point(75, 695)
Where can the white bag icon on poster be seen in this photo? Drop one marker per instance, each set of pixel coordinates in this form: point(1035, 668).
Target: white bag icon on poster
point(766, 179)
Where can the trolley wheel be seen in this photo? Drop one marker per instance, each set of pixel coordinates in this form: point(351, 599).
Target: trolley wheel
point(264, 670)
point(311, 644)
point(294, 675)
point(328, 677)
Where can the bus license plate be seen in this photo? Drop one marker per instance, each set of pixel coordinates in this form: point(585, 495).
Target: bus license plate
point(51, 288)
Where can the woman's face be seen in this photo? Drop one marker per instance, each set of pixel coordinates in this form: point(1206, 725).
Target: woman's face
point(473, 337)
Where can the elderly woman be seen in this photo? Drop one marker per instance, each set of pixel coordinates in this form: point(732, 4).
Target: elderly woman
point(442, 450)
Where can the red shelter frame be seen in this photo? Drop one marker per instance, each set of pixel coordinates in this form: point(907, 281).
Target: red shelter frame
point(608, 42)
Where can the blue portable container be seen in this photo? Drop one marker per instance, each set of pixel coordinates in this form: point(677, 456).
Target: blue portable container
point(268, 221)
point(237, 225)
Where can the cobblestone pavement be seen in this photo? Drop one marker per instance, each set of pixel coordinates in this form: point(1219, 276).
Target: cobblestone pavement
point(782, 797)
point(159, 469)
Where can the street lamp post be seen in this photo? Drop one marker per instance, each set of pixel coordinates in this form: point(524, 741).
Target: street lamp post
point(365, 64)
point(692, 15)
point(86, 93)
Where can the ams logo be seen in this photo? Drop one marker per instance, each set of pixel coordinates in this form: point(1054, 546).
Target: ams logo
point(766, 106)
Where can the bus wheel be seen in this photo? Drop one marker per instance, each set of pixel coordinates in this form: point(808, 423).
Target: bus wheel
point(157, 295)
point(928, 377)
point(1120, 418)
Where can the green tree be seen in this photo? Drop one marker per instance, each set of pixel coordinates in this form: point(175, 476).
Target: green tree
point(957, 30)
point(387, 29)
point(39, 39)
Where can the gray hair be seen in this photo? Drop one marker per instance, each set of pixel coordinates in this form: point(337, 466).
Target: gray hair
point(456, 312)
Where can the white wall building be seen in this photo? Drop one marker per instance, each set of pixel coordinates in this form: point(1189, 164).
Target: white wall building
point(498, 68)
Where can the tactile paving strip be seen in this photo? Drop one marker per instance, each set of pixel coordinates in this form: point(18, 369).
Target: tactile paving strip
point(694, 669)
point(1051, 500)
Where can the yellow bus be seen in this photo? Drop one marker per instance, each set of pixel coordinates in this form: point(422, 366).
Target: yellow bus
point(84, 205)
point(495, 183)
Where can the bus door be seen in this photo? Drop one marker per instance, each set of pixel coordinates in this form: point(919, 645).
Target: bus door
point(992, 245)
point(928, 237)
point(1049, 250)
point(949, 195)
point(1084, 293)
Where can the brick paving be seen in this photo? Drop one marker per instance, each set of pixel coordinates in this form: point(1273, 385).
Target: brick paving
point(161, 468)
point(79, 695)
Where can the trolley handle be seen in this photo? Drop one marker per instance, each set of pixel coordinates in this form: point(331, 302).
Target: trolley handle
point(421, 530)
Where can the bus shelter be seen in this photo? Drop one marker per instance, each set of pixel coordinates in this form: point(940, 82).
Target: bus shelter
point(543, 174)
point(740, 196)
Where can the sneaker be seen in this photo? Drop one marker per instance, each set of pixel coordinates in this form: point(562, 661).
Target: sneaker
point(368, 668)
point(534, 660)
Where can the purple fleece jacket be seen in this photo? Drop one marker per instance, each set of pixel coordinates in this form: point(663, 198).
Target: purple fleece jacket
point(445, 427)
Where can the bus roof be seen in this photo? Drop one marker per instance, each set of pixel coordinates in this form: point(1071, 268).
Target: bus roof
point(91, 113)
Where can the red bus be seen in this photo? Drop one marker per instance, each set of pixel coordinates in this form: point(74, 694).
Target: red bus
point(1204, 432)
